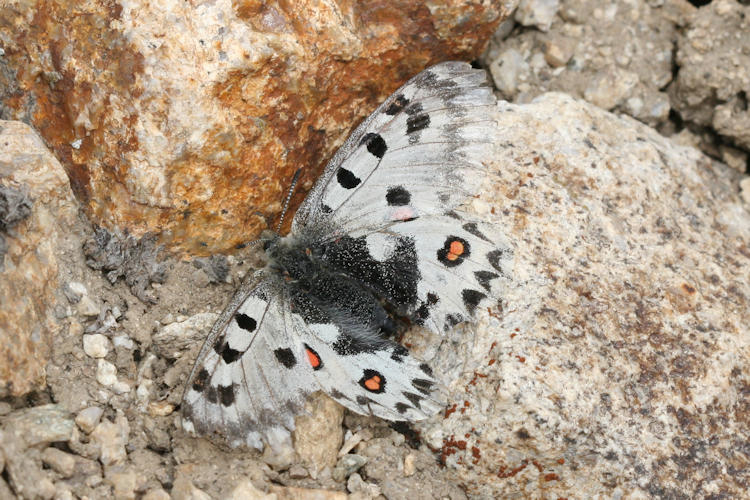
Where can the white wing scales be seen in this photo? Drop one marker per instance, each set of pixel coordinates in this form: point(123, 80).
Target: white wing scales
point(247, 384)
point(433, 132)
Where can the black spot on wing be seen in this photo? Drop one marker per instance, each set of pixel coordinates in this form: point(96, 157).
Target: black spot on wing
point(375, 144)
point(416, 123)
point(336, 394)
point(426, 369)
point(347, 179)
point(201, 380)
point(245, 322)
point(402, 407)
point(212, 395)
point(471, 227)
point(484, 278)
point(226, 394)
point(325, 208)
point(471, 299)
point(230, 355)
point(422, 385)
point(397, 105)
point(285, 356)
point(399, 353)
point(495, 256)
point(423, 312)
point(452, 320)
point(397, 196)
point(363, 401)
point(415, 399)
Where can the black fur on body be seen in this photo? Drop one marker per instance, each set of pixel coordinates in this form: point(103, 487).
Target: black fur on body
point(339, 281)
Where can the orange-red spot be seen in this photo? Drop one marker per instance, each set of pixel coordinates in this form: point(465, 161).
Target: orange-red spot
point(313, 358)
point(455, 251)
point(373, 383)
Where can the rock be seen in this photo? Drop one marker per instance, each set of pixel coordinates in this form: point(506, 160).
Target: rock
point(244, 84)
point(61, 462)
point(346, 466)
point(745, 190)
point(714, 70)
point(537, 13)
point(505, 71)
point(106, 373)
point(184, 489)
point(588, 47)
point(38, 205)
point(110, 438)
point(409, 467)
point(318, 437)
point(23, 471)
point(156, 494)
point(88, 418)
point(610, 87)
point(290, 493)
point(40, 425)
point(123, 481)
point(618, 341)
point(356, 484)
point(246, 491)
point(174, 339)
point(74, 291)
point(96, 345)
point(88, 307)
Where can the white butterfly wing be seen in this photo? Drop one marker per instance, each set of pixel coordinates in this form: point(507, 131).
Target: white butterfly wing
point(419, 153)
point(250, 379)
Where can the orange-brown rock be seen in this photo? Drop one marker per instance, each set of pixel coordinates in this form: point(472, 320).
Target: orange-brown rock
point(189, 118)
point(37, 209)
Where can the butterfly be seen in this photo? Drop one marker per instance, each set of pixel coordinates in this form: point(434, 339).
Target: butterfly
point(380, 236)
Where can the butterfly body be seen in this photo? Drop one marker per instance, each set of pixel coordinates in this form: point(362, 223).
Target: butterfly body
point(380, 235)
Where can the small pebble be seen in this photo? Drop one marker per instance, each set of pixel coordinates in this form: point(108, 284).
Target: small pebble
point(106, 373)
point(745, 189)
point(346, 466)
point(96, 345)
point(87, 307)
point(58, 460)
point(297, 472)
point(74, 291)
point(110, 439)
point(88, 418)
point(160, 408)
point(409, 467)
point(157, 494)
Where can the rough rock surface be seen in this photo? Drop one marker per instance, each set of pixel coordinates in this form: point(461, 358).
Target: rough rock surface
point(680, 68)
point(36, 210)
point(616, 54)
point(195, 135)
point(714, 77)
point(619, 360)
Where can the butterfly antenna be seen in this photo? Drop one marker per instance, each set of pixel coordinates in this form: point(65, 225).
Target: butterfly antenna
point(288, 198)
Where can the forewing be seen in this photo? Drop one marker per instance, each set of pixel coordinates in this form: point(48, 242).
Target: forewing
point(419, 153)
point(250, 379)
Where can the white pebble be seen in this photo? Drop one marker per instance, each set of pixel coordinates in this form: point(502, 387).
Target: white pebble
point(106, 373)
point(96, 345)
point(88, 307)
point(88, 418)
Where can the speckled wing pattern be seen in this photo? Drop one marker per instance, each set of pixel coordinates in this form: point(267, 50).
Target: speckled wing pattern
point(382, 225)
